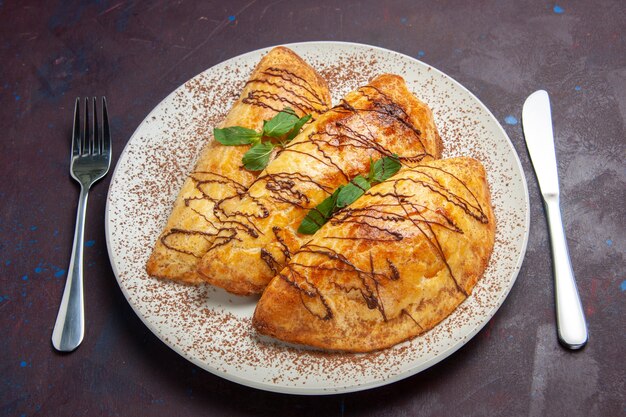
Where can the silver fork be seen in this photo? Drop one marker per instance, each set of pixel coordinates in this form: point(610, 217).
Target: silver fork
point(91, 158)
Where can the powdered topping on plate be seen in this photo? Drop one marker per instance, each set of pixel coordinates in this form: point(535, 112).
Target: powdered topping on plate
point(213, 328)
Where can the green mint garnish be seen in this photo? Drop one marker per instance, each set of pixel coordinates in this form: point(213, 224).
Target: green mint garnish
point(258, 156)
point(350, 192)
point(347, 194)
point(236, 135)
point(316, 217)
point(297, 126)
point(281, 124)
point(384, 169)
point(284, 126)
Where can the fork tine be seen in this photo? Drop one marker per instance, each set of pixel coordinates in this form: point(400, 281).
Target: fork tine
point(76, 131)
point(106, 133)
point(85, 137)
point(95, 137)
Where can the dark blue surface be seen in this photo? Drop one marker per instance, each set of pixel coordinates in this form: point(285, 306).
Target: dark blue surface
point(136, 53)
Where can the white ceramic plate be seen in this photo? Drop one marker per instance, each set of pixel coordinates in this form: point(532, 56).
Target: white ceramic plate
point(212, 328)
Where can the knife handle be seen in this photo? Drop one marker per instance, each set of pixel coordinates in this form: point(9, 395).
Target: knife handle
point(570, 318)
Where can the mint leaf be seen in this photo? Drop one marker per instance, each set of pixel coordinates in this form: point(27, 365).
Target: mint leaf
point(281, 124)
point(258, 156)
point(236, 135)
point(318, 216)
point(370, 175)
point(297, 126)
point(352, 191)
point(347, 194)
point(384, 168)
point(285, 122)
point(343, 196)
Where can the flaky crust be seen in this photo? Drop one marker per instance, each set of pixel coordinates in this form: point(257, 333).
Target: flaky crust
point(280, 79)
point(390, 266)
point(379, 119)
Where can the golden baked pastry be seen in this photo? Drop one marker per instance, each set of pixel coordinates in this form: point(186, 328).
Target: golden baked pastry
point(388, 267)
point(379, 119)
point(281, 79)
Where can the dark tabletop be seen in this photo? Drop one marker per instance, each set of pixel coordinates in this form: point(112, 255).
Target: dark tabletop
point(136, 53)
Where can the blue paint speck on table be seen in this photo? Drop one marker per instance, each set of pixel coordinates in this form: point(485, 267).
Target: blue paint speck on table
point(622, 286)
point(90, 243)
point(59, 273)
point(17, 96)
point(577, 88)
point(510, 120)
point(33, 228)
point(23, 364)
point(231, 18)
point(558, 9)
point(38, 270)
point(403, 20)
point(25, 278)
point(7, 263)
point(609, 242)
point(421, 54)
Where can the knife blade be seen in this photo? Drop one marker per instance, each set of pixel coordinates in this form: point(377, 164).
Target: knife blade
point(537, 126)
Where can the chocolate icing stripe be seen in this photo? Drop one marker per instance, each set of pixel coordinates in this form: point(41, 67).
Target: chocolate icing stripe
point(423, 218)
point(289, 77)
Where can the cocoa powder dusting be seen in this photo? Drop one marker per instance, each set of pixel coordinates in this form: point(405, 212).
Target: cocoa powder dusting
point(213, 328)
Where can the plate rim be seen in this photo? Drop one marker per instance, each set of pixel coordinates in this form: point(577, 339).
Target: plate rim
point(302, 390)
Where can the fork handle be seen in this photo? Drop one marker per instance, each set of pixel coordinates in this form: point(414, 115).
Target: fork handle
point(69, 328)
point(570, 318)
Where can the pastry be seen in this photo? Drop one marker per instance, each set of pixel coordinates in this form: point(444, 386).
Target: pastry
point(281, 79)
point(380, 119)
point(388, 267)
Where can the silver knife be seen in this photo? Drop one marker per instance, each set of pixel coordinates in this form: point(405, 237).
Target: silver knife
point(537, 124)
